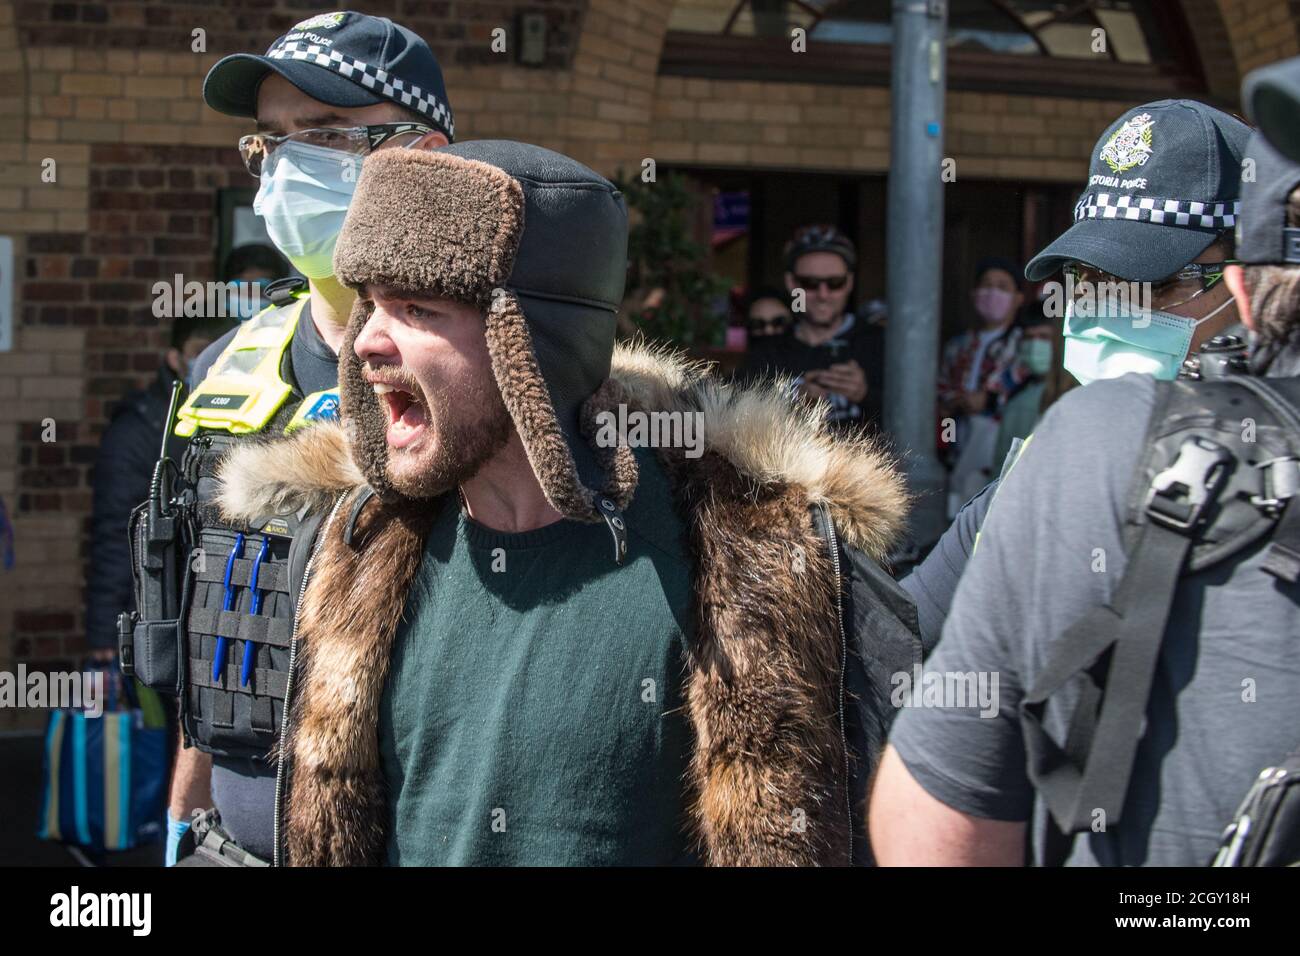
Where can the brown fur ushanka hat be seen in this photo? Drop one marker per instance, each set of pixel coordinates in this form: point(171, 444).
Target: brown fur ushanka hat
point(539, 243)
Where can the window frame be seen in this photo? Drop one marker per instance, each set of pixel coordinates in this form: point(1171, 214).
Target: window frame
point(729, 57)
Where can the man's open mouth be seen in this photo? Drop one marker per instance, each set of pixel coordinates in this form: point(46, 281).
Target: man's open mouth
point(408, 414)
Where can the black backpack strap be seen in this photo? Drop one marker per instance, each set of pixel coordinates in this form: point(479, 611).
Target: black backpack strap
point(1092, 770)
point(1115, 649)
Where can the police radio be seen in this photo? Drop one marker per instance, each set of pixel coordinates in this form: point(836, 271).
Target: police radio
point(148, 642)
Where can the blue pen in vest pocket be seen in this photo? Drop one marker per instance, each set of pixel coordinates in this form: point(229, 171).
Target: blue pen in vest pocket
point(250, 647)
point(219, 657)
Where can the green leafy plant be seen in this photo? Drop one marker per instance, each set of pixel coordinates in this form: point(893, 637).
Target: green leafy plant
point(671, 297)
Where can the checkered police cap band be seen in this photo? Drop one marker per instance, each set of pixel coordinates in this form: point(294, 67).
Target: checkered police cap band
point(372, 78)
point(1166, 212)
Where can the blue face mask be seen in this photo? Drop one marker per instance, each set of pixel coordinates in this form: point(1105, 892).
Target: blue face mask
point(303, 199)
point(1120, 339)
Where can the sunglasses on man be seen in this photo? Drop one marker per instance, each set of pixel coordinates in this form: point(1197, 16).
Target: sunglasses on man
point(812, 283)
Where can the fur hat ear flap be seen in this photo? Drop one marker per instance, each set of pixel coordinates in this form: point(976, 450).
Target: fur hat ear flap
point(364, 421)
point(524, 392)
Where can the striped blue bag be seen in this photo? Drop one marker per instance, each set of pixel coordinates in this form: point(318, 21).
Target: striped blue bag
point(106, 776)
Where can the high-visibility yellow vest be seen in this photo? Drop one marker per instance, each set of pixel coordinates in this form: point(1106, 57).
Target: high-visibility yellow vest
point(244, 389)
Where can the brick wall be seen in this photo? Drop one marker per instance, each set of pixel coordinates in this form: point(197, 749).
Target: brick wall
point(846, 129)
point(1261, 32)
point(458, 31)
point(111, 91)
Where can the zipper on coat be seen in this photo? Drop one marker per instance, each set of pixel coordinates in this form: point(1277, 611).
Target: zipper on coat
point(278, 859)
point(844, 658)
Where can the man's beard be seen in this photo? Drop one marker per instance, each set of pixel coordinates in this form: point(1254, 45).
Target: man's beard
point(466, 428)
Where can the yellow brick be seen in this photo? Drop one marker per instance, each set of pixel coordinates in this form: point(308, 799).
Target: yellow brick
point(29, 222)
point(122, 110)
point(723, 153)
point(770, 113)
point(670, 87)
point(586, 129)
point(825, 115)
point(95, 131)
point(673, 152)
point(56, 58)
point(89, 60)
point(43, 129)
point(50, 386)
point(43, 84)
point(55, 196)
point(185, 111)
point(69, 363)
point(52, 107)
point(91, 107)
point(61, 152)
point(699, 89)
point(90, 84)
point(869, 160)
point(676, 109)
point(70, 220)
point(120, 61)
point(151, 133)
point(618, 112)
point(151, 62)
point(724, 111)
point(157, 87)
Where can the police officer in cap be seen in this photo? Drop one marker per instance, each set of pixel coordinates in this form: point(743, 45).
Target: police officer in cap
point(1136, 591)
point(335, 88)
point(1143, 265)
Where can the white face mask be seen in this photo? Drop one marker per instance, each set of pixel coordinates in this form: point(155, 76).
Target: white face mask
point(303, 198)
point(1122, 340)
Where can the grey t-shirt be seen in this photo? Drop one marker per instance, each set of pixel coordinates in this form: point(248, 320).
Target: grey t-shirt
point(243, 790)
point(1049, 550)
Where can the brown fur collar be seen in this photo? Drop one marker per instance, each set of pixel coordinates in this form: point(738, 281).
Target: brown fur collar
point(767, 775)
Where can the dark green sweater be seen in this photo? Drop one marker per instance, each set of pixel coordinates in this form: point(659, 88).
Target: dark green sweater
point(533, 711)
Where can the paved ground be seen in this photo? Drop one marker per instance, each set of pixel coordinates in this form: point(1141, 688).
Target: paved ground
point(20, 804)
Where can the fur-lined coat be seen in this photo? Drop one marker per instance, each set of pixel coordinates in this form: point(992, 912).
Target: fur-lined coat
point(797, 630)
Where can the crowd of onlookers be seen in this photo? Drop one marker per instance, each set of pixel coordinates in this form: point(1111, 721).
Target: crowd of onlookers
point(994, 380)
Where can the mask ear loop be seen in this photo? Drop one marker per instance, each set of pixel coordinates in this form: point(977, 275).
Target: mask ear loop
point(1205, 318)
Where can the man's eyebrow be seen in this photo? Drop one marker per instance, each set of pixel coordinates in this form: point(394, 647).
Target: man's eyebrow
point(305, 122)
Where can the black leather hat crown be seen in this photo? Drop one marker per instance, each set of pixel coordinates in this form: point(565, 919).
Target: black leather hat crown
point(539, 242)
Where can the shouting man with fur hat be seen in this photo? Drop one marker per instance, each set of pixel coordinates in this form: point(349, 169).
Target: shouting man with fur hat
point(518, 643)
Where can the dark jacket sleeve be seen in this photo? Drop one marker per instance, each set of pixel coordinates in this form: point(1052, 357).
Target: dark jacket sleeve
point(933, 582)
point(869, 352)
point(883, 640)
point(123, 470)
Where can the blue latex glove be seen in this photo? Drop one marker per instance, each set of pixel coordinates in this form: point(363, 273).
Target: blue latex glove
point(175, 830)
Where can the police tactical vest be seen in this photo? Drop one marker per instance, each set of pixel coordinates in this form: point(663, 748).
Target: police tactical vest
point(237, 620)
